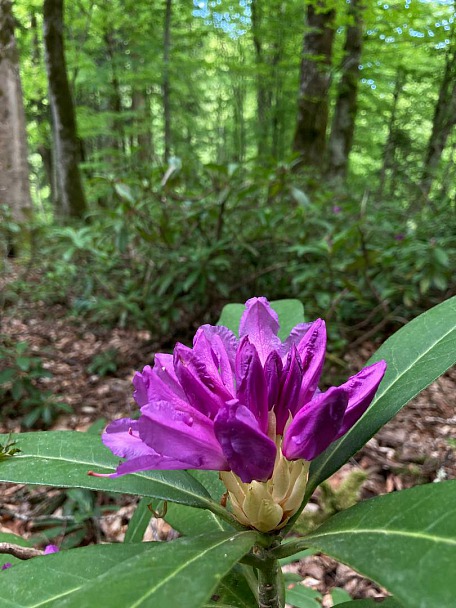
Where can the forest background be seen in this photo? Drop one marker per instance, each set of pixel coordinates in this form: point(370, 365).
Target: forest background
point(183, 155)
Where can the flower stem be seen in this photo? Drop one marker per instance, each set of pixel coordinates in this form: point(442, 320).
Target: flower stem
point(270, 587)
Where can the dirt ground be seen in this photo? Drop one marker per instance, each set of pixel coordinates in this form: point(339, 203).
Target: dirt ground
point(417, 446)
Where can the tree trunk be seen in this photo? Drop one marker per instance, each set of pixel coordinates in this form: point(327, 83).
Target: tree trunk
point(343, 124)
point(14, 170)
point(263, 92)
point(443, 122)
point(67, 149)
point(390, 146)
point(116, 141)
point(141, 107)
point(165, 83)
point(239, 133)
point(310, 134)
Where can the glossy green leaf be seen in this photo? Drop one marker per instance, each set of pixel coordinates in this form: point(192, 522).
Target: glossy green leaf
point(64, 458)
point(301, 596)
point(416, 355)
point(290, 311)
point(297, 556)
point(339, 596)
point(233, 592)
point(190, 521)
point(181, 573)
point(139, 521)
point(405, 541)
point(211, 482)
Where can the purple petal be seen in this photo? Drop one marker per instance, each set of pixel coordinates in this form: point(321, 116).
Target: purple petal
point(141, 383)
point(261, 324)
point(211, 348)
point(225, 336)
point(251, 383)
point(7, 565)
point(361, 389)
point(204, 391)
point(163, 387)
point(165, 362)
point(149, 463)
point(312, 350)
point(272, 373)
point(296, 335)
point(157, 383)
point(185, 436)
point(122, 438)
point(164, 369)
point(249, 452)
point(290, 388)
point(50, 549)
point(316, 425)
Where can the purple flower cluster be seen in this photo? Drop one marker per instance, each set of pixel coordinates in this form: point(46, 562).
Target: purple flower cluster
point(223, 404)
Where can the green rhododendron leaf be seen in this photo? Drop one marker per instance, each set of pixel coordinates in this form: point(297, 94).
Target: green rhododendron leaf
point(183, 573)
point(405, 541)
point(64, 458)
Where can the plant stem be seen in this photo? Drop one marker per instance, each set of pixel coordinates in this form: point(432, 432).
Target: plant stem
point(270, 593)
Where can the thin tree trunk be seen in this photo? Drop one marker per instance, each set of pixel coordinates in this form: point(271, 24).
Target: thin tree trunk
point(448, 177)
point(388, 152)
point(14, 170)
point(263, 92)
point(117, 140)
point(67, 148)
point(312, 120)
point(239, 120)
point(166, 83)
point(343, 124)
point(140, 106)
point(443, 122)
point(43, 116)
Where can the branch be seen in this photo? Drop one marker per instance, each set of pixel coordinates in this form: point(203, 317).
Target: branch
point(20, 552)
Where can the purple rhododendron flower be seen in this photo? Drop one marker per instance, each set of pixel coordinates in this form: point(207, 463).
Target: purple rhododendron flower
point(230, 404)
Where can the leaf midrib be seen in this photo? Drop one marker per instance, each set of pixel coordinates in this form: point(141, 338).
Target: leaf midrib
point(412, 364)
point(34, 457)
point(175, 572)
point(381, 531)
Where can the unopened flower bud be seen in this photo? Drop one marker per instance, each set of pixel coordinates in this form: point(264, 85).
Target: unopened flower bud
point(268, 505)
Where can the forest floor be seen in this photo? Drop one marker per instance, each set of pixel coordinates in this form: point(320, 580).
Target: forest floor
point(417, 446)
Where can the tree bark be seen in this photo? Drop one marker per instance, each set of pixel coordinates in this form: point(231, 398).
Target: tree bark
point(116, 141)
point(443, 122)
point(263, 92)
point(390, 146)
point(166, 83)
point(310, 134)
point(141, 107)
point(67, 149)
point(343, 124)
point(14, 170)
